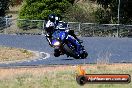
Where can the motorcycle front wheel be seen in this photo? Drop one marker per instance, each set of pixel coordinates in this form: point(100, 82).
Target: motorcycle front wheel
point(56, 52)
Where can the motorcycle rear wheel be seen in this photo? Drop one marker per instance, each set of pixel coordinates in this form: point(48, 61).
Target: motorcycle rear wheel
point(70, 52)
point(84, 55)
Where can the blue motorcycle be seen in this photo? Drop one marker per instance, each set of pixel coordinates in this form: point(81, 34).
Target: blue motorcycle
point(64, 43)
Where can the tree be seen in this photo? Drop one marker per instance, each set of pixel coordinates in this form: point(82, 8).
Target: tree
point(126, 11)
point(79, 14)
point(40, 9)
point(104, 3)
point(3, 6)
point(103, 16)
point(15, 2)
point(112, 7)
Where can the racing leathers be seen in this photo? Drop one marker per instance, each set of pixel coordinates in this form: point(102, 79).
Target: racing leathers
point(49, 30)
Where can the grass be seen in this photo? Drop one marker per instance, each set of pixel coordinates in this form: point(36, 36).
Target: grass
point(14, 54)
point(59, 76)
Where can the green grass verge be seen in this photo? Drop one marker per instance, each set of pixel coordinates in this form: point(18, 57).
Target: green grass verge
point(60, 79)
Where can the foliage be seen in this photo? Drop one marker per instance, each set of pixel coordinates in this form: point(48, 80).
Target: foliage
point(15, 2)
point(40, 9)
point(104, 3)
point(75, 13)
point(102, 16)
point(80, 13)
point(125, 10)
point(3, 7)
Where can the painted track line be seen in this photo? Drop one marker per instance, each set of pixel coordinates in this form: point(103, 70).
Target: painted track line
point(42, 56)
point(45, 55)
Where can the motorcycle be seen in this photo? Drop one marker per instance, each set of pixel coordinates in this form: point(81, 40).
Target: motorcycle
point(63, 43)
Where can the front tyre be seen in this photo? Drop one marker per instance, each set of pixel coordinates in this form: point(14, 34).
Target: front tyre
point(56, 52)
point(84, 55)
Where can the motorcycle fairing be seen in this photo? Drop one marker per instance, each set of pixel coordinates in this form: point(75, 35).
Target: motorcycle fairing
point(75, 43)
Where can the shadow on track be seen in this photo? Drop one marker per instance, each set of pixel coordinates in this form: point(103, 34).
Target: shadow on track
point(73, 59)
point(68, 59)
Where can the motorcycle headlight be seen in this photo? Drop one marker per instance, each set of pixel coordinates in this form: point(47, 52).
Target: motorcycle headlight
point(57, 43)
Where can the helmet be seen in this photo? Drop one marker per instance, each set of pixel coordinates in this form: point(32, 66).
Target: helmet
point(52, 17)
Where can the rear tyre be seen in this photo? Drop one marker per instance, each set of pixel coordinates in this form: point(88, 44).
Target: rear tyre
point(84, 55)
point(70, 52)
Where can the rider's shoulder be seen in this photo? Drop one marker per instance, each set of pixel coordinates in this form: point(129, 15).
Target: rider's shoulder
point(49, 24)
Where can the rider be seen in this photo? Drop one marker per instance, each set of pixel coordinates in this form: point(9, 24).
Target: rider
point(52, 22)
point(50, 25)
point(70, 32)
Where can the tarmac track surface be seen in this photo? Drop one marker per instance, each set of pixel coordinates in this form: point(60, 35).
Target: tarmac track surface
point(100, 49)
